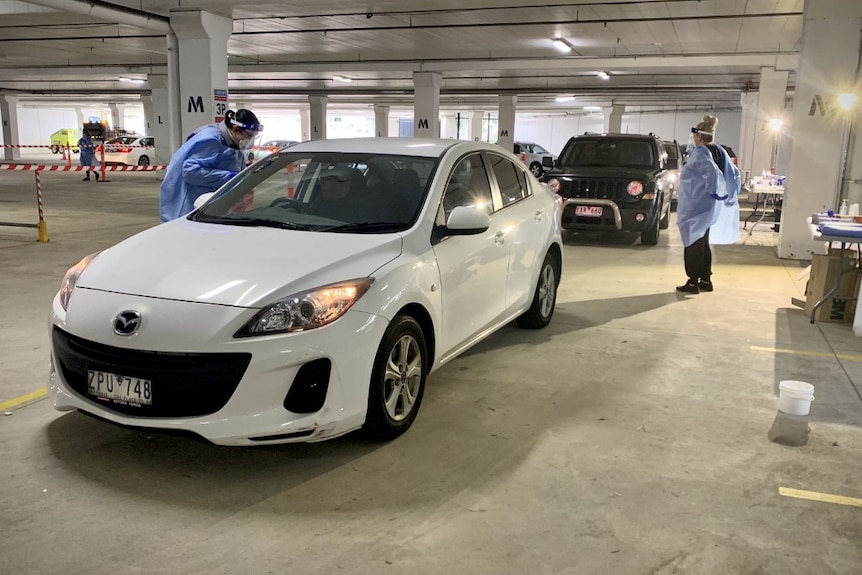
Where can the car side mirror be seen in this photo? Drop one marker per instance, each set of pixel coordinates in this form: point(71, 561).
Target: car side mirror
point(203, 198)
point(672, 164)
point(464, 221)
point(547, 161)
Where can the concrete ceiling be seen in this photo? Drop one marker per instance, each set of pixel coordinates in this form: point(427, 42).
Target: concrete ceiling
point(661, 54)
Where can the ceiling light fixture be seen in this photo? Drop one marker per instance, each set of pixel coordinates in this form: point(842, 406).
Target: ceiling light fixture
point(603, 75)
point(562, 45)
point(132, 80)
point(847, 100)
point(342, 79)
point(564, 99)
point(593, 108)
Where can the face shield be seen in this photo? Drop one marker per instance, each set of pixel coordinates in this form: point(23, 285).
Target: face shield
point(691, 143)
point(250, 130)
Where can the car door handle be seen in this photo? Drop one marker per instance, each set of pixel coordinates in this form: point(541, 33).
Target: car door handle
point(538, 215)
point(500, 238)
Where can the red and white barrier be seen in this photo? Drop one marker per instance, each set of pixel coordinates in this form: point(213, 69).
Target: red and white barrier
point(59, 168)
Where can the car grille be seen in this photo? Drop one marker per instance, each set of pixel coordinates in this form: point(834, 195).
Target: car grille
point(597, 189)
point(183, 384)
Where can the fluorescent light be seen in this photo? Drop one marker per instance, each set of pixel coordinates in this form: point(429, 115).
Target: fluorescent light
point(847, 100)
point(132, 80)
point(561, 45)
point(564, 99)
point(593, 108)
point(338, 78)
point(775, 124)
point(603, 75)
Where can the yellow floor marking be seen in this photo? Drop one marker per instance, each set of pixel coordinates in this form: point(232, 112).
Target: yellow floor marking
point(13, 403)
point(815, 496)
point(808, 353)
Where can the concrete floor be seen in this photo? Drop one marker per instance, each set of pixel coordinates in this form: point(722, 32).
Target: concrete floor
point(629, 437)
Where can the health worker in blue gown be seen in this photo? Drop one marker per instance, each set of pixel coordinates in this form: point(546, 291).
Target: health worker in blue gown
point(707, 207)
point(210, 157)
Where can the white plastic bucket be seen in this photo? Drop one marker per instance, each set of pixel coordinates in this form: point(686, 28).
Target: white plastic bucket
point(795, 397)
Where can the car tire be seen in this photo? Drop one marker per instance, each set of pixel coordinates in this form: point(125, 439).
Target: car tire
point(144, 161)
point(55, 149)
point(397, 379)
point(537, 169)
point(544, 298)
point(650, 237)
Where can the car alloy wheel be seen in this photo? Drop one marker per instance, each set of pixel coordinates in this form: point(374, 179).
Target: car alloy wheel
point(143, 161)
point(398, 379)
point(545, 297)
point(536, 168)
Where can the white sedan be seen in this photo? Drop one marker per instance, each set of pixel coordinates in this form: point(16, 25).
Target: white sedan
point(311, 295)
point(130, 150)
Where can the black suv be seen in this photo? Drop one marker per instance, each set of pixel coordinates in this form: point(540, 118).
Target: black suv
point(613, 182)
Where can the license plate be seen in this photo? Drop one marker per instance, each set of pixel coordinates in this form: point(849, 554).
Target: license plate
point(119, 388)
point(589, 211)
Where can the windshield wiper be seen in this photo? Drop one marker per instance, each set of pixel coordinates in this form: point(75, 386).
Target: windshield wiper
point(257, 223)
point(365, 227)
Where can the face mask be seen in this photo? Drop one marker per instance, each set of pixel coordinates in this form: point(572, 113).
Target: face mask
point(246, 144)
point(690, 145)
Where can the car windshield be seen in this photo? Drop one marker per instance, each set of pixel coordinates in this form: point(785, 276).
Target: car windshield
point(537, 149)
point(611, 152)
point(325, 192)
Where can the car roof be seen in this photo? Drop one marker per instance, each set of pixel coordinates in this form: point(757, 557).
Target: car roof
point(421, 147)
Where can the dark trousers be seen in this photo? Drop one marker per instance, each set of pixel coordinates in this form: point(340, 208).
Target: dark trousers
point(698, 260)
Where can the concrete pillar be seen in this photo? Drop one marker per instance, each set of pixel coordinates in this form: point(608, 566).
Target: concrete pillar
point(506, 122)
point(426, 104)
point(747, 125)
point(381, 120)
point(613, 123)
point(9, 116)
point(117, 115)
point(305, 123)
point(202, 44)
point(770, 106)
point(476, 126)
point(827, 68)
point(318, 116)
point(156, 116)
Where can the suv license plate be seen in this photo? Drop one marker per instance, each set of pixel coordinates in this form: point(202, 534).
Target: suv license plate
point(120, 388)
point(589, 211)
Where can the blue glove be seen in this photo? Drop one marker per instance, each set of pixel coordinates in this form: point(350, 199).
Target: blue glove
point(231, 175)
point(717, 197)
point(730, 203)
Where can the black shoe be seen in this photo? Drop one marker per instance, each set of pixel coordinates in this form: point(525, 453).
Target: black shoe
point(688, 287)
point(87, 179)
point(97, 176)
point(704, 286)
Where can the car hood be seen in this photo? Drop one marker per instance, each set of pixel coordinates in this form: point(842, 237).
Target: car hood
point(601, 172)
point(231, 265)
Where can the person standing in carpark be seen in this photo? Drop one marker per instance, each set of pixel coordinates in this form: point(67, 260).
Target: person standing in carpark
point(707, 201)
point(208, 159)
point(88, 155)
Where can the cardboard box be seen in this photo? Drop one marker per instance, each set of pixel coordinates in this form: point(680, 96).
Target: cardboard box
point(841, 307)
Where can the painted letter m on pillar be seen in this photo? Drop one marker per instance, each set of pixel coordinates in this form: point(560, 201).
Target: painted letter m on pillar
point(196, 105)
point(423, 123)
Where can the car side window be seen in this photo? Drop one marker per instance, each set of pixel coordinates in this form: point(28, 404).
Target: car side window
point(468, 186)
point(510, 180)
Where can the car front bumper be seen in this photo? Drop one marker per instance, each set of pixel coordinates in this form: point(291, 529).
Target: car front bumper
point(638, 217)
point(251, 413)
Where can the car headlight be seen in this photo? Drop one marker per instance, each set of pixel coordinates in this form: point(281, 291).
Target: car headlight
point(635, 188)
point(671, 178)
point(306, 310)
point(67, 286)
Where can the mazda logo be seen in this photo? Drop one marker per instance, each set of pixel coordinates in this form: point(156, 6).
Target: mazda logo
point(127, 322)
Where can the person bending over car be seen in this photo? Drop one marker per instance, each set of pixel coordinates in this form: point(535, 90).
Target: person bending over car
point(208, 159)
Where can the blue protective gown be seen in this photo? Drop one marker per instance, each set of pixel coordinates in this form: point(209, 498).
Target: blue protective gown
point(87, 151)
point(698, 205)
point(202, 164)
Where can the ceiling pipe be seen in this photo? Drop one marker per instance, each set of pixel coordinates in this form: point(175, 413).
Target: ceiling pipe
point(110, 13)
